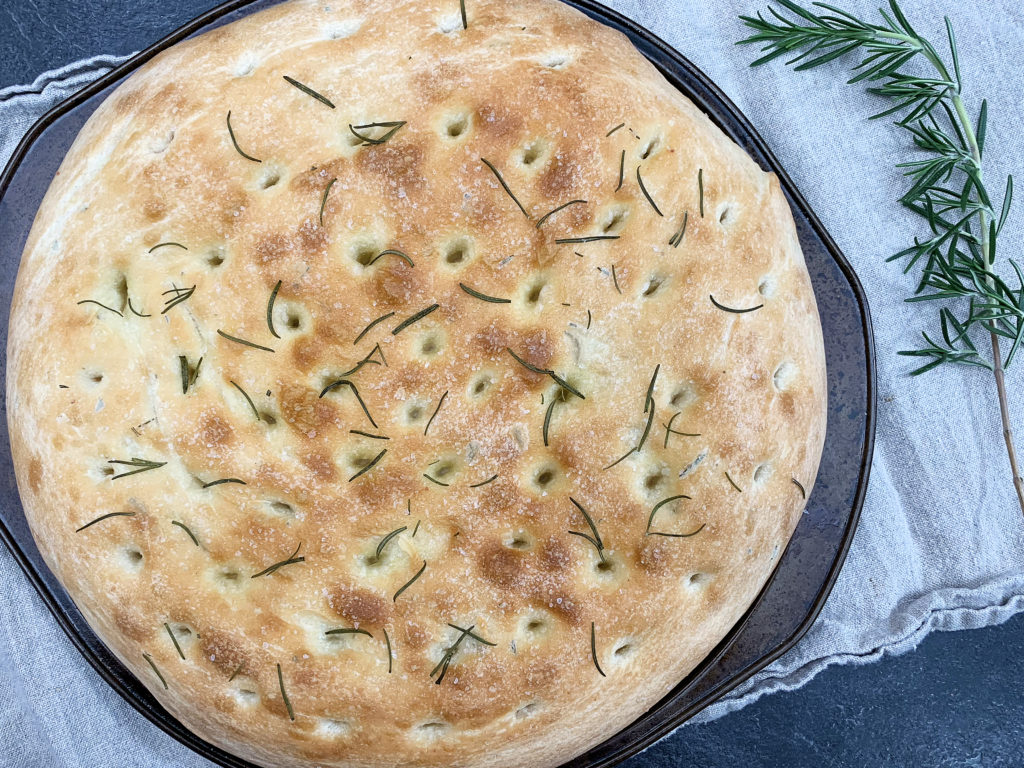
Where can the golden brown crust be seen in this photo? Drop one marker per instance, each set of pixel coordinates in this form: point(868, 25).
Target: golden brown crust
point(534, 88)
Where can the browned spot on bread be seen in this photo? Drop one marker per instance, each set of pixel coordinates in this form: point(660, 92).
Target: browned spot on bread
point(299, 407)
point(503, 566)
point(312, 237)
point(270, 248)
point(35, 473)
point(561, 177)
point(556, 555)
point(320, 466)
point(307, 352)
point(397, 163)
point(498, 121)
point(534, 346)
point(439, 82)
point(130, 625)
point(359, 606)
point(215, 430)
point(224, 651)
point(154, 209)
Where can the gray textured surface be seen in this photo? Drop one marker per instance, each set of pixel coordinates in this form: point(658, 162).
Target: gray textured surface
point(954, 702)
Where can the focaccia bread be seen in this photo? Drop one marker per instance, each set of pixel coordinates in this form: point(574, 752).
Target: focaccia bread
point(393, 387)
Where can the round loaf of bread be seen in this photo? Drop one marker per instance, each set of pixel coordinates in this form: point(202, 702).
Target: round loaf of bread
point(395, 385)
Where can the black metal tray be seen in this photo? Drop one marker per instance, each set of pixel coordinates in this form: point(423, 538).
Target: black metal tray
point(807, 570)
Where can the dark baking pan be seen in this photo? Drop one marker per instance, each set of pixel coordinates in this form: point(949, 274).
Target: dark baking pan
point(803, 579)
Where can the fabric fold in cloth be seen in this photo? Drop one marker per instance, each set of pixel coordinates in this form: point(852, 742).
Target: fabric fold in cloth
point(941, 540)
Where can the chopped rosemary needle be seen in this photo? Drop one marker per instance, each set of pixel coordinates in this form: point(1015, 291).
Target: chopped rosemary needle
point(505, 186)
point(449, 653)
point(161, 245)
point(547, 372)
point(368, 434)
point(615, 280)
point(270, 310)
point(142, 465)
point(622, 170)
point(368, 328)
point(284, 694)
point(660, 504)
point(387, 641)
point(387, 538)
point(391, 252)
point(180, 295)
point(613, 130)
point(465, 25)
point(490, 479)
point(149, 661)
point(231, 133)
point(551, 213)
point(248, 399)
point(730, 309)
point(677, 238)
point(291, 560)
point(670, 431)
point(410, 320)
point(187, 530)
point(803, 493)
point(92, 301)
point(323, 200)
point(347, 631)
point(596, 538)
point(732, 482)
point(350, 385)
point(394, 127)
point(436, 481)
point(237, 340)
point(174, 640)
point(309, 91)
point(370, 465)
point(409, 583)
point(439, 404)
point(104, 517)
point(647, 194)
point(593, 649)
point(224, 480)
point(586, 239)
point(700, 189)
point(483, 296)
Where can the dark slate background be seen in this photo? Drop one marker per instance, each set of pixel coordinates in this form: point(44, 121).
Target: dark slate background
point(958, 700)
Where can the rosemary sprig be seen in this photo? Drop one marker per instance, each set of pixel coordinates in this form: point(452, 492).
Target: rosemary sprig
point(647, 194)
point(947, 188)
point(551, 213)
point(174, 640)
point(547, 372)
point(237, 340)
point(187, 530)
point(309, 91)
point(141, 465)
point(414, 318)
point(284, 694)
point(323, 200)
point(231, 133)
point(180, 295)
point(104, 517)
point(248, 399)
point(677, 238)
point(270, 310)
point(370, 465)
point(393, 125)
point(92, 301)
point(731, 309)
point(224, 480)
point(409, 583)
point(483, 296)
point(350, 385)
point(439, 404)
point(450, 652)
point(161, 245)
point(593, 649)
point(290, 560)
point(505, 186)
point(368, 328)
point(149, 660)
point(594, 539)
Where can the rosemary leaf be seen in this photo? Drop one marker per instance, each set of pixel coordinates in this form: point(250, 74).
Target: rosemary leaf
point(409, 583)
point(613, 130)
point(323, 200)
point(231, 133)
point(505, 186)
point(551, 213)
point(803, 493)
point(394, 127)
point(224, 480)
point(482, 296)
point(410, 320)
point(291, 560)
point(368, 328)
point(284, 694)
point(180, 295)
point(309, 91)
point(593, 649)
point(372, 463)
point(161, 245)
point(149, 661)
point(490, 479)
point(730, 309)
point(187, 530)
point(104, 517)
point(439, 404)
point(732, 482)
point(142, 465)
point(270, 310)
point(248, 399)
point(237, 340)
point(91, 301)
point(174, 640)
point(647, 194)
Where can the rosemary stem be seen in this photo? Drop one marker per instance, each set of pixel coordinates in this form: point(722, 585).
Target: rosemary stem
point(986, 253)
